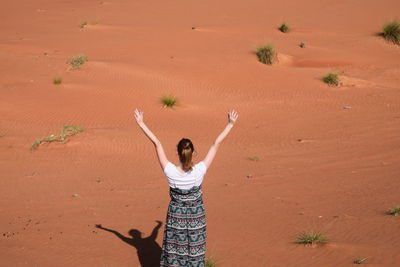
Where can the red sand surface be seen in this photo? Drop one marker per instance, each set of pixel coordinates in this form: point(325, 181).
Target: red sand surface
point(321, 166)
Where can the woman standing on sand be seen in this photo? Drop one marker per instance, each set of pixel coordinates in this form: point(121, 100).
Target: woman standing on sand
point(184, 241)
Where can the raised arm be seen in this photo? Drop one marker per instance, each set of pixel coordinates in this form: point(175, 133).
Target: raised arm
point(162, 158)
point(232, 117)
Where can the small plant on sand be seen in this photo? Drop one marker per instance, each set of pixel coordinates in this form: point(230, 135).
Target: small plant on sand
point(83, 24)
point(95, 22)
point(302, 45)
point(285, 28)
point(266, 54)
point(66, 131)
point(311, 238)
point(332, 79)
point(168, 100)
point(253, 158)
point(57, 80)
point(359, 260)
point(395, 211)
point(77, 61)
point(391, 32)
point(210, 262)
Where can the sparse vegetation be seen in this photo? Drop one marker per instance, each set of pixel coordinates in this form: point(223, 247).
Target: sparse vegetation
point(266, 54)
point(95, 22)
point(302, 45)
point(359, 260)
point(253, 158)
point(57, 81)
point(395, 211)
point(391, 32)
point(83, 24)
point(210, 262)
point(332, 79)
point(311, 238)
point(285, 28)
point(77, 61)
point(168, 100)
point(66, 131)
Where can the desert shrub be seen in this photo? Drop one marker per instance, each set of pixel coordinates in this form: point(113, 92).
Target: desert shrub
point(302, 45)
point(332, 79)
point(57, 80)
point(210, 262)
point(391, 32)
point(77, 61)
point(395, 211)
point(168, 100)
point(311, 238)
point(359, 260)
point(285, 28)
point(66, 131)
point(253, 158)
point(266, 54)
point(83, 24)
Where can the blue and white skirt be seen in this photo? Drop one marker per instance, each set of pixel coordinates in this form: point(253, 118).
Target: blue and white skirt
point(184, 241)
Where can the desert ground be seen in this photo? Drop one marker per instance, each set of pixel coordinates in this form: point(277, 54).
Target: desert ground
point(303, 155)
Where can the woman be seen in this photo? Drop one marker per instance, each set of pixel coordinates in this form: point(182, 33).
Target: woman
point(184, 241)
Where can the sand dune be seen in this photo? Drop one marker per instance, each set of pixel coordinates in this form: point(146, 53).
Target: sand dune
point(328, 157)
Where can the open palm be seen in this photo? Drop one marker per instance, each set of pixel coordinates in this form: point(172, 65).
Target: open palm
point(138, 116)
point(232, 116)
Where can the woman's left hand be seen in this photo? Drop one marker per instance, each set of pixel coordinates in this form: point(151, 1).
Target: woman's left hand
point(139, 116)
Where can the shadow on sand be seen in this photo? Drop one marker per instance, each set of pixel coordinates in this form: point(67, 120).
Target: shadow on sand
point(148, 251)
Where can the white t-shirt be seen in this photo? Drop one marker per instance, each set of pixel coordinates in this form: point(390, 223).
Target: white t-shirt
point(186, 180)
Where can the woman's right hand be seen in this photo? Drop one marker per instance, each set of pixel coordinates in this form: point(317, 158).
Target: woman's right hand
point(138, 116)
point(232, 116)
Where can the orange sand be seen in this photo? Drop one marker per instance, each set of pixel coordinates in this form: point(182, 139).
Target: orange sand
point(320, 166)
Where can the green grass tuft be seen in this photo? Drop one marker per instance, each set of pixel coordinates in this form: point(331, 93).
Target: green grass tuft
point(266, 54)
point(253, 158)
point(62, 137)
point(311, 238)
point(359, 260)
point(391, 32)
point(168, 100)
point(77, 61)
point(285, 28)
point(332, 79)
point(57, 80)
point(395, 211)
point(83, 24)
point(210, 262)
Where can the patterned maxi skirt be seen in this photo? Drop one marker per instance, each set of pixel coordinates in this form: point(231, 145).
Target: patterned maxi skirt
point(184, 241)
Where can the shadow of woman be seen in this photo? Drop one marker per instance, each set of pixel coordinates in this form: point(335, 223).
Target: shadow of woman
point(148, 251)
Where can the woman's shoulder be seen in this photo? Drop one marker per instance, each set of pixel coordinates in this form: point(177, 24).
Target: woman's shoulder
point(172, 167)
point(201, 166)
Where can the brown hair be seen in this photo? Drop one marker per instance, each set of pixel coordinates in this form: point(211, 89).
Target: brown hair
point(185, 151)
